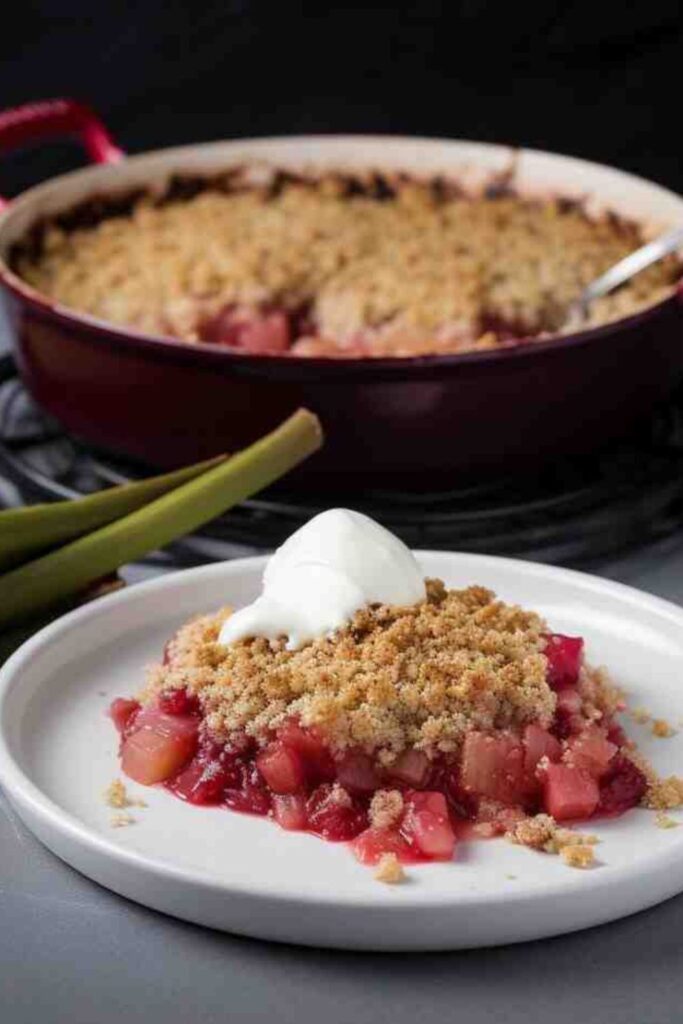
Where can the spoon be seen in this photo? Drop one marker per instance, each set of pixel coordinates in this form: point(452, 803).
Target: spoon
point(623, 271)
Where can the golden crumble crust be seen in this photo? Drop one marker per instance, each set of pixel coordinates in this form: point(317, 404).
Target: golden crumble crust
point(417, 272)
point(419, 676)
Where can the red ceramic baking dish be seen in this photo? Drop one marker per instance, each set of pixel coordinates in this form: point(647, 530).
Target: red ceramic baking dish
point(426, 422)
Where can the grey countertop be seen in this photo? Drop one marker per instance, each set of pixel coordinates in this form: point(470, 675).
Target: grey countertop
point(73, 952)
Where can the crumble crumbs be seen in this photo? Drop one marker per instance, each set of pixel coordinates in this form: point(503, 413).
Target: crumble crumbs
point(122, 820)
point(533, 832)
point(116, 796)
point(658, 726)
point(495, 818)
point(419, 676)
point(663, 820)
point(578, 856)
point(386, 808)
point(543, 833)
point(662, 729)
point(389, 869)
point(663, 794)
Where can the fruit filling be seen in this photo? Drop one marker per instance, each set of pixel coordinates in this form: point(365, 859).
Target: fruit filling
point(400, 733)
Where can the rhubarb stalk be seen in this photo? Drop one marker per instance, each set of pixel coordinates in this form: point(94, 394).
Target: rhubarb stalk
point(43, 583)
point(26, 532)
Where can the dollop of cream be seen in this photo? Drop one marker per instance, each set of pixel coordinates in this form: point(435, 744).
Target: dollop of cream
point(322, 575)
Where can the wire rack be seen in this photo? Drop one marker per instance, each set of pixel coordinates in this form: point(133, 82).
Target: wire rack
point(576, 511)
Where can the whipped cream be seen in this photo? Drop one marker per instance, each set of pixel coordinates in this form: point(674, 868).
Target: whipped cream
point(322, 575)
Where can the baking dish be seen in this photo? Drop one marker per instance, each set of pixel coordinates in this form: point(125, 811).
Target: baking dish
point(425, 421)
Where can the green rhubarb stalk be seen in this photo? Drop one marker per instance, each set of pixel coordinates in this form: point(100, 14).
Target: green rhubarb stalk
point(43, 583)
point(25, 532)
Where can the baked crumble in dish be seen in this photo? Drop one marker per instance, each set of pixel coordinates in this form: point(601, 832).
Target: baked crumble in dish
point(268, 262)
point(404, 732)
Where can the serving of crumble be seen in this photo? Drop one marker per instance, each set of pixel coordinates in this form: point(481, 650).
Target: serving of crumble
point(405, 732)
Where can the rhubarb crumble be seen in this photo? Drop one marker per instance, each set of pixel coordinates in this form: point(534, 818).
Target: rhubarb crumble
point(404, 732)
point(266, 262)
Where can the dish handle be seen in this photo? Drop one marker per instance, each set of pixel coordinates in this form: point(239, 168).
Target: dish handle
point(46, 119)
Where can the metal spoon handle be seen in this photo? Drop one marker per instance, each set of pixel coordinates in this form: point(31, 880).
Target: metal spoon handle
point(631, 265)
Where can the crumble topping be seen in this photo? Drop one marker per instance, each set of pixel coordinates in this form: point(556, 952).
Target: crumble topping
point(413, 270)
point(389, 869)
point(665, 820)
point(419, 676)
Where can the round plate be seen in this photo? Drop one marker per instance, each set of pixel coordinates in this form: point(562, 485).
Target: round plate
point(243, 874)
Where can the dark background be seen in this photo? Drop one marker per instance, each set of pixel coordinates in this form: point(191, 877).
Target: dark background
point(599, 80)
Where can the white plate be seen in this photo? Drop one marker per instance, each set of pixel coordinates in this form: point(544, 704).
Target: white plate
point(243, 874)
